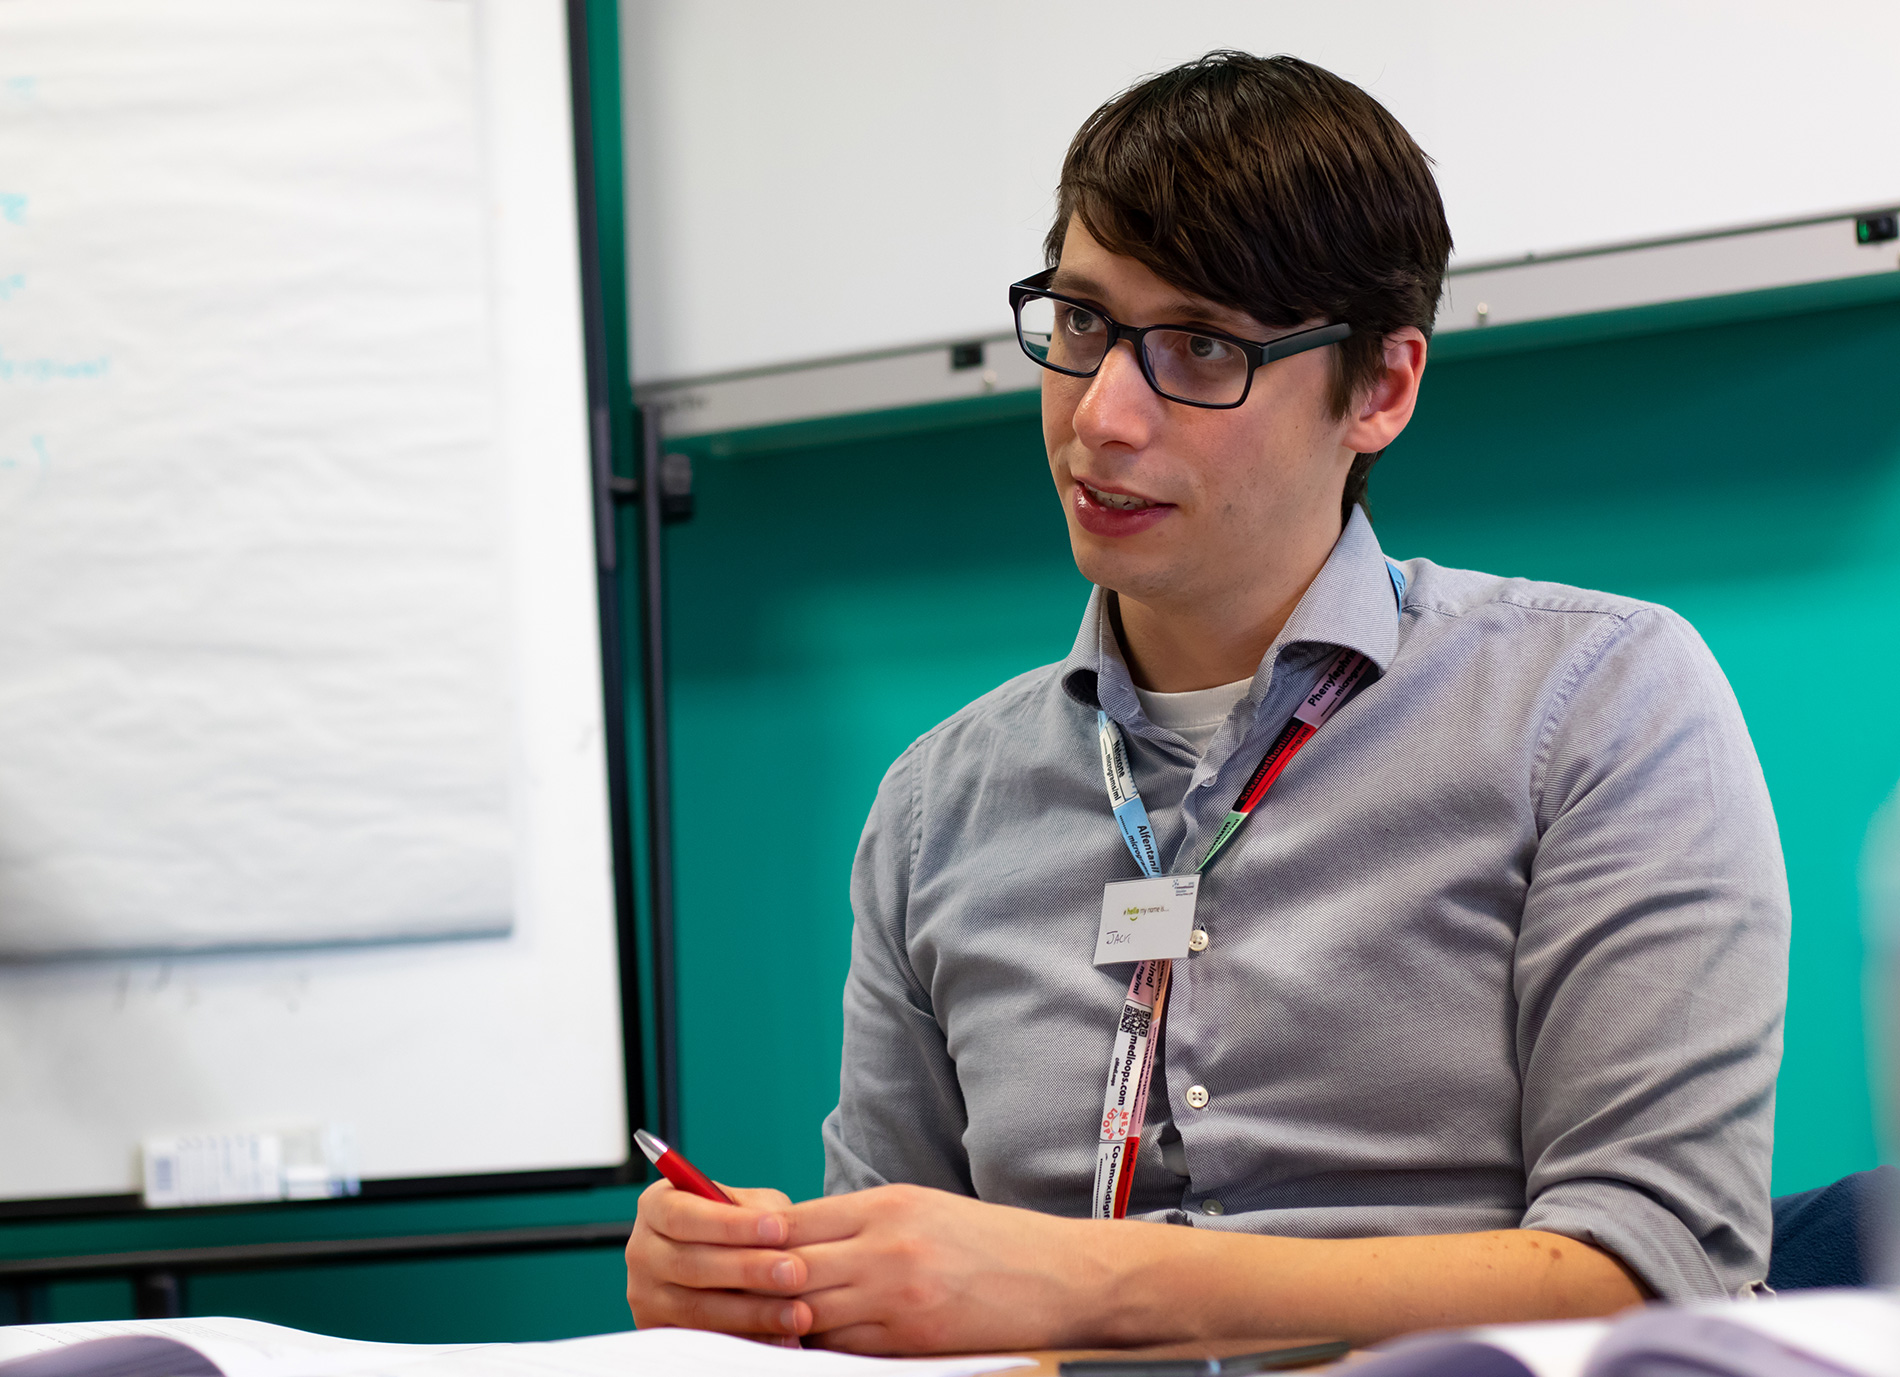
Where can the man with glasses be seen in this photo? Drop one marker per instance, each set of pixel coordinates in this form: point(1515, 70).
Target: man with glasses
point(1429, 926)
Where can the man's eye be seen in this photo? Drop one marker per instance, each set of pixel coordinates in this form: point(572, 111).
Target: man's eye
point(1206, 349)
point(1079, 322)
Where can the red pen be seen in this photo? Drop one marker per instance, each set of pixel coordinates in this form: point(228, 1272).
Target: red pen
point(675, 1168)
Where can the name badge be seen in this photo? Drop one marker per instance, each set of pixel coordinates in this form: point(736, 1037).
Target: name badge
point(1146, 920)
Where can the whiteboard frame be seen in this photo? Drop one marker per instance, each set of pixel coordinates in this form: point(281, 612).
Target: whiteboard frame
point(606, 456)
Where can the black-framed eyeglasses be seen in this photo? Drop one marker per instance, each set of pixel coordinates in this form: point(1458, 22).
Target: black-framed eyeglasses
point(1186, 364)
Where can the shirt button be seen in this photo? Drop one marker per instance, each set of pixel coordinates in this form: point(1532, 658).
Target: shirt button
point(1213, 1207)
point(1197, 940)
point(1197, 1097)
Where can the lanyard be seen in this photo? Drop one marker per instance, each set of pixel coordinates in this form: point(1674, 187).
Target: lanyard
point(1125, 1105)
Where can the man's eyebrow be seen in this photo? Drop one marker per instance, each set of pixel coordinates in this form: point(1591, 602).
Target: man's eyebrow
point(1191, 310)
point(1074, 284)
point(1185, 310)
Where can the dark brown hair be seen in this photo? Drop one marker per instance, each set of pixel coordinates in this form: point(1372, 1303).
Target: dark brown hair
point(1269, 186)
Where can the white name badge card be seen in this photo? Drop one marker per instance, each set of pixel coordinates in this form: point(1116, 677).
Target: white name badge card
point(1146, 920)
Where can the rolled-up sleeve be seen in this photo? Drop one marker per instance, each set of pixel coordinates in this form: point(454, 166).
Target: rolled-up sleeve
point(900, 1114)
point(1651, 967)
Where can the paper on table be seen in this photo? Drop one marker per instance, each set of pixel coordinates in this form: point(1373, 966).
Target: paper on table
point(1552, 1348)
point(681, 1353)
point(237, 1347)
point(1857, 1330)
point(247, 1348)
point(252, 582)
point(1849, 1331)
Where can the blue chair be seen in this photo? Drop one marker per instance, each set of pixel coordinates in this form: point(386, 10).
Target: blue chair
point(1826, 1237)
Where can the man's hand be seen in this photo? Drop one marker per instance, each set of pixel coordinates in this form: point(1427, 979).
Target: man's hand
point(700, 1264)
point(905, 1269)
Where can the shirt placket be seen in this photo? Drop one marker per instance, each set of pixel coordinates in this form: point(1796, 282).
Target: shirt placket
point(1193, 1055)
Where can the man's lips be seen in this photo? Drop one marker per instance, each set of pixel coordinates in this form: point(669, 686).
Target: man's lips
point(1115, 499)
point(1105, 511)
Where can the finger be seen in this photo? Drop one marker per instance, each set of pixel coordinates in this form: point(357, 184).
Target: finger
point(828, 1218)
point(731, 1312)
point(758, 1197)
point(845, 1307)
point(721, 1267)
point(685, 1217)
point(855, 1338)
point(830, 1265)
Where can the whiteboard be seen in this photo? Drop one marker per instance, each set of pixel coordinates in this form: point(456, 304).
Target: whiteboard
point(481, 1055)
point(806, 181)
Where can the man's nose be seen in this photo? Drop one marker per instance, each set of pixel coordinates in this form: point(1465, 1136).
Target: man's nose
point(1119, 406)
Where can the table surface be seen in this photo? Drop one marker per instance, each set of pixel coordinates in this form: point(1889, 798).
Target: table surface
point(1047, 1361)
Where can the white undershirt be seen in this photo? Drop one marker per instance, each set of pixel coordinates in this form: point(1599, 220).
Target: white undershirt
point(1197, 715)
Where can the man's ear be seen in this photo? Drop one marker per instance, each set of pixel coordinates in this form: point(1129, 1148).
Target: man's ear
point(1382, 412)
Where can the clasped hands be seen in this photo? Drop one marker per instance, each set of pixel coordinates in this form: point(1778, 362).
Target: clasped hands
point(895, 1269)
point(905, 1269)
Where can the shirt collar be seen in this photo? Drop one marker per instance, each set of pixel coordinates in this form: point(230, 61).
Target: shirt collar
point(1350, 603)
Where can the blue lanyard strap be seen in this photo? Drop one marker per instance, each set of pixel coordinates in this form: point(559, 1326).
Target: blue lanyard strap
point(1131, 815)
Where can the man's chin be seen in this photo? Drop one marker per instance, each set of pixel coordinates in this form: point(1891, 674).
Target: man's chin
point(1144, 580)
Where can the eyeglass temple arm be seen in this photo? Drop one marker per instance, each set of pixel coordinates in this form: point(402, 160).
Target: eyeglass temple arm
point(1317, 338)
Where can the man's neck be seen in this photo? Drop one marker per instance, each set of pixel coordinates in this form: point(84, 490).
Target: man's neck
point(1200, 643)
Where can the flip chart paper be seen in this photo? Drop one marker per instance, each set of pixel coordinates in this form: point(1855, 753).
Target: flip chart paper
point(253, 671)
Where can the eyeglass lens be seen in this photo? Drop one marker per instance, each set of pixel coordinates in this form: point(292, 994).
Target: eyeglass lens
point(1184, 365)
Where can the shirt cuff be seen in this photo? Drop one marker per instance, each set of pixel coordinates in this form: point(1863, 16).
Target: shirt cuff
point(1645, 1236)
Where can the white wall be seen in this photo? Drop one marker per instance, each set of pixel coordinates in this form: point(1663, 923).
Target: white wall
point(814, 179)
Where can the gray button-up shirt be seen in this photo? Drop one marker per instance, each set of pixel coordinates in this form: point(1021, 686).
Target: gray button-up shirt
point(1505, 945)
